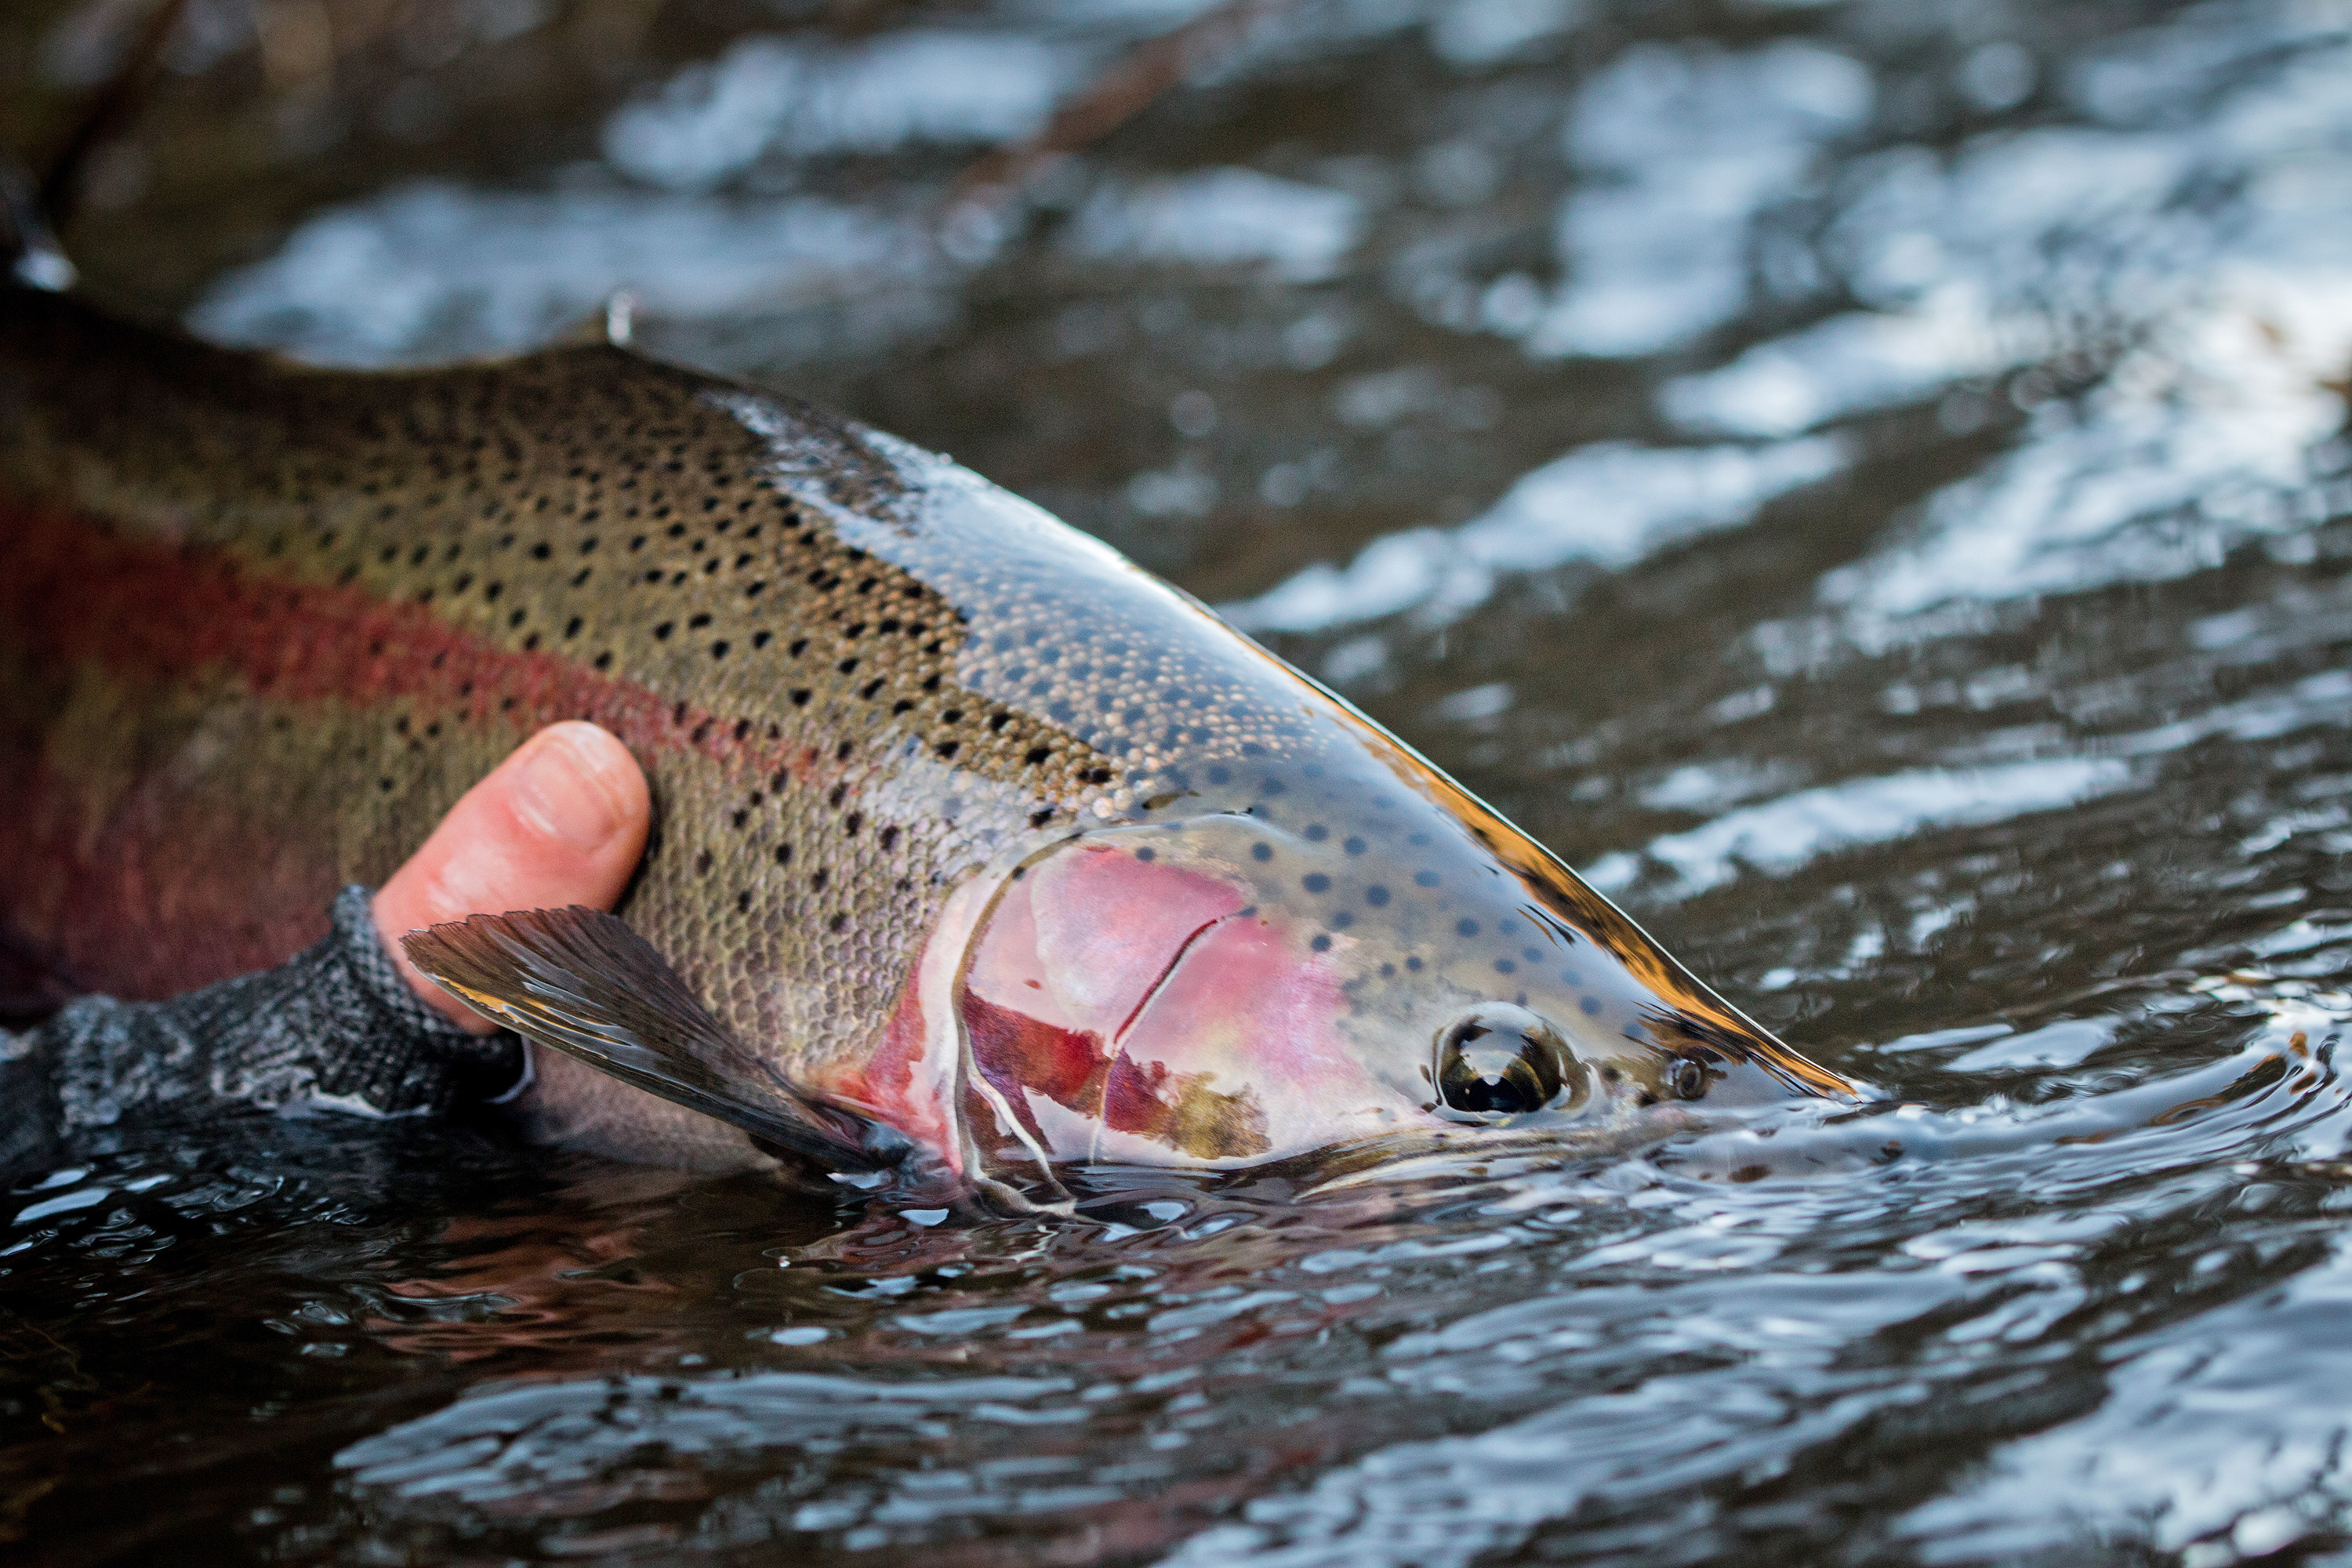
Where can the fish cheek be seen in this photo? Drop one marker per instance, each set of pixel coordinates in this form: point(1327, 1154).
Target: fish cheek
point(1256, 1012)
point(1107, 925)
point(1071, 955)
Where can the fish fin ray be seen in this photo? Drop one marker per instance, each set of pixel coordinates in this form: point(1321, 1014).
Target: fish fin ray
point(581, 982)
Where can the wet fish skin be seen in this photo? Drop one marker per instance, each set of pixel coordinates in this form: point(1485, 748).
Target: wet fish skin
point(914, 745)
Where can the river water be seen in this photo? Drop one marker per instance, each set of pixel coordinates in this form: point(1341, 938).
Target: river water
point(1866, 482)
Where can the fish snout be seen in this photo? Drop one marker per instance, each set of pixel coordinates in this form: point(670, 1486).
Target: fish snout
point(1498, 1061)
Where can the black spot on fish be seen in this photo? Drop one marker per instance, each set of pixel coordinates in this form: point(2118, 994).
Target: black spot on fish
point(1261, 851)
point(1354, 847)
point(1412, 963)
point(1321, 943)
point(1314, 882)
point(662, 631)
point(783, 854)
point(1465, 928)
point(1376, 895)
point(1147, 854)
point(702, 864)
point(1317, 833)
point(1424, 878)
point(1591, 1005)
point(1504, 966)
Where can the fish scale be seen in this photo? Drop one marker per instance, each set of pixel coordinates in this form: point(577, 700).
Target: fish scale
point(264, 623)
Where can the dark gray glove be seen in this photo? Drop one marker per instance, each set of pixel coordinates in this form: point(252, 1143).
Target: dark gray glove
point(336, 1025)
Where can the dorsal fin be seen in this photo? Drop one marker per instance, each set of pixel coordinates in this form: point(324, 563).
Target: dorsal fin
point(581, 982)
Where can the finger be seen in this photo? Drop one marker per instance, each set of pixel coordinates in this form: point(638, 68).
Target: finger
point(562, 821)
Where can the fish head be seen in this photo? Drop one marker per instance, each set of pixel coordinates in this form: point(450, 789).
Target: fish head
point(1232, 987)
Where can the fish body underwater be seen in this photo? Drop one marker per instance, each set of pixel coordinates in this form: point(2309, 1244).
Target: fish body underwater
point(966, 828)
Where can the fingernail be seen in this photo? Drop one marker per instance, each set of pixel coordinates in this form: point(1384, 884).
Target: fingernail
point(562, 790)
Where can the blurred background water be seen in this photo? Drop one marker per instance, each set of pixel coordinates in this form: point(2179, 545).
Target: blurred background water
point(1868, 481)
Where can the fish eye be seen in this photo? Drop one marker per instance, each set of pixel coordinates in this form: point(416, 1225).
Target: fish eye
point(1504, 1061)
point(1690, 1078)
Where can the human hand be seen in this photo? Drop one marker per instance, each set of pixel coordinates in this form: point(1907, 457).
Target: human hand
point(562, 821)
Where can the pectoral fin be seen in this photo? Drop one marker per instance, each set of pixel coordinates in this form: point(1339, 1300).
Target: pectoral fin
point(582, 981)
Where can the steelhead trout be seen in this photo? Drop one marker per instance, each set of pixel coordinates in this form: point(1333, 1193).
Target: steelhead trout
point(977, 848)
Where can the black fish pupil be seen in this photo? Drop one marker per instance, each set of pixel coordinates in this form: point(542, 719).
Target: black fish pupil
point(1495, 1071)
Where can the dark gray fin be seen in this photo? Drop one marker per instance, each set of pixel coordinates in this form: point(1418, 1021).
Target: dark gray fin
point(582, 981)
point(33, 213)
point(114, 105)
point(28, 250)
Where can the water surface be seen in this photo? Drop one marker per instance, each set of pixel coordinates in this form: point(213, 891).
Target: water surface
point(1867, 481)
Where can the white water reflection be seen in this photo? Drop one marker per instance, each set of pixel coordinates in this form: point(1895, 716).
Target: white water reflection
point(1782, 835)
point(436, 269)
point(1680, 148)
point(1222, 217)
point(1475, 33)
point(804, 99)
point(2222, 1435)
point(1853, 362)
point(2217, 429)
point(1612, 503)
point(2219, 255)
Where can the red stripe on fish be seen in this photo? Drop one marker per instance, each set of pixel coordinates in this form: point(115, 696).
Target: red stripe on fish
point(116, 902)
point(76, 589)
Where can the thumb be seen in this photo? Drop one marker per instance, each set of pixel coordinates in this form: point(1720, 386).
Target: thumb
point(562, 821)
